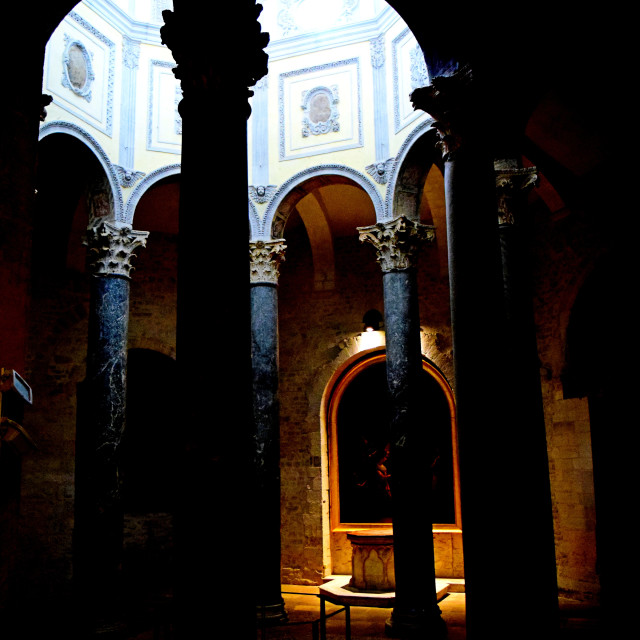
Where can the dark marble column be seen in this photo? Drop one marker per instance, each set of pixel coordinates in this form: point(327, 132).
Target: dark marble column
point(215, 522)
point(101, 417)
point(416, 609)
point(494, 479)
point(523, 395)
point(265, 261)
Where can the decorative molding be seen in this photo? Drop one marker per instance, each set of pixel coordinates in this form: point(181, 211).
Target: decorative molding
point(111, 64)
point(130, 53)
point(75, 53)
point(254, 221)
point(419, 72)
point(380, 171)
point(265, 259)
point(378, 54)
point(147, 182)
point(262, 194)
point(127, 177)
point(349, 8)
point(275, 219)
point(397, 242)
point(345, 35)
point(158, 7)
point(59, 126)
point(150, 144)
point(178, 117)
point(512, 184)
point(417, 132)
point(320, 98)
point(111, 247)
point(359, 142)
point(286, 20)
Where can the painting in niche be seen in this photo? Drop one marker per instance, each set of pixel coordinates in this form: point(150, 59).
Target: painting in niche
point(364, 460)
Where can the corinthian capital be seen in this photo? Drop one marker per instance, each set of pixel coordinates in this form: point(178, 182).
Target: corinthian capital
point(447, 101)
point(265, 259)
point(202, 56)
point(397, 242)
point(111, 247)
point(512, 185)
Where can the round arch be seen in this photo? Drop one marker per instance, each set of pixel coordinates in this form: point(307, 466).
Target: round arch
point(79, 133)
point(336, 388)
point(145, 184)
point(409, 172)
point(294, 189)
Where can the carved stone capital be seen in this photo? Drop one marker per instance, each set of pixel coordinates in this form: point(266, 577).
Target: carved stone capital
point(512, 185)
point(110, 248)
point(447, 101)
point(200, 56)
point(265, 259)
point(397, 242)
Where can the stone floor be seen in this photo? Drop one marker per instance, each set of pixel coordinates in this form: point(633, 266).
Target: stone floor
point(367, 623)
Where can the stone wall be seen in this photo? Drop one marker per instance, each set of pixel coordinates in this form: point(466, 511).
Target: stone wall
point(58, 338)
point(316, 328)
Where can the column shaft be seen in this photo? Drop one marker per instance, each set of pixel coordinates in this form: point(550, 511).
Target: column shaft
point(415, 610)
point(215, 526)
point(266, 415)
point(524, 408)
point(411, 471)
point(101, 417)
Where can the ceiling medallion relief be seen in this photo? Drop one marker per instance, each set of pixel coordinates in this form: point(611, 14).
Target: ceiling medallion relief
point(77, 70)
point(320, 111)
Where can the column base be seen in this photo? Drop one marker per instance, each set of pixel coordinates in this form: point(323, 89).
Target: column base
point(416, 624)
point(271, 614)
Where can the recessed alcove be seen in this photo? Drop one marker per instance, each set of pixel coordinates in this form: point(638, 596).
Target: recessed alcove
point(360, 467)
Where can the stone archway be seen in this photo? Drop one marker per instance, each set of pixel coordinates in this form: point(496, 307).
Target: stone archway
point(358, 460)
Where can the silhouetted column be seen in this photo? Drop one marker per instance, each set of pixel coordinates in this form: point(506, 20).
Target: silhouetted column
point(523, 397)
point(265, 261)
point(416, 609)
point(494, 469)
point(218, 48)
point(101, 418)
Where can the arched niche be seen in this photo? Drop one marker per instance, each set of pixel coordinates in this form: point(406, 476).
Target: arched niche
point(358, 462)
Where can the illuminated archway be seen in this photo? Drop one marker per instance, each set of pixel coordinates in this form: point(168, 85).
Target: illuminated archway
point(357, 462)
